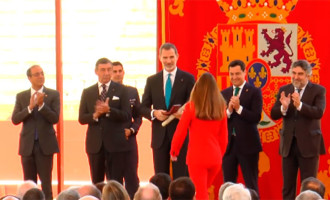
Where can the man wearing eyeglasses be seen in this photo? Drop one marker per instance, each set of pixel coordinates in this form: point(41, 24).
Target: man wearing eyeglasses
point(38, 108)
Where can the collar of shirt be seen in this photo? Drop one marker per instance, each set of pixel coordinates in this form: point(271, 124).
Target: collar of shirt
point(241, 88)
point(100, 86)
point(40, 90)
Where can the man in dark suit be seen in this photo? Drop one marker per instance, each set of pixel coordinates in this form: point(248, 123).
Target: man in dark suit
point(131, 129)
point(244, 113)
point(38, 108)
point(105, 107)
point(301, 105)
point(163, 90)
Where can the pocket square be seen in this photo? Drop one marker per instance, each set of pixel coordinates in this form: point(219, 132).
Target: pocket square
point(115, 98)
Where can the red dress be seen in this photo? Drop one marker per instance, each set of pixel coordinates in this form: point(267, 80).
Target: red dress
point(207, 143)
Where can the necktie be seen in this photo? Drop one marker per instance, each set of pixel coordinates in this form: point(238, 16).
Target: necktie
point(236, 91)
point(168, 90)
point(103, 95)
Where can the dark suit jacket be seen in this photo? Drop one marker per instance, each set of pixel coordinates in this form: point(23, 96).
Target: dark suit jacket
point(43, 121)
point(134, 101)
point(247, 135)
point(154, 96)
point(109, 129)
point(306, 124)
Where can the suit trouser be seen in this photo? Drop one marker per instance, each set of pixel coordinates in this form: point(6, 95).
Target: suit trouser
point(110, 163)
point(130, 174)
point(247, 162)
point(161, 157)
point(39, 164)
point(290, 164)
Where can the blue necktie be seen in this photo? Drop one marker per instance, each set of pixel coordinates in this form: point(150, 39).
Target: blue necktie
point(168, 90)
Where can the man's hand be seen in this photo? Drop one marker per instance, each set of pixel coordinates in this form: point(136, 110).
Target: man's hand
point(33, 102)
point(296, 99)
point(159, 115)
point(127, 133)
point(101, 108)
point(40, 98)
point(285, 100)
point(235, 103)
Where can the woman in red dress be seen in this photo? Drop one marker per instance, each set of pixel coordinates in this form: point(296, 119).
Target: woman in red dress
point(205, 117)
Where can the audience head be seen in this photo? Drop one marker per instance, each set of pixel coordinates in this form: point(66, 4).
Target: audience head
point(182, 188)
point(162, 181)
point(34, 194)
point(69, 194)
point(89, 197)
point(209, 103)
point(236, 192)
point(148, 192)
point(308, 195)
point(223, 187)
point(114, 191)
point(24, 187)
point(313, 184)
point(254, 194)
point(9, 197)
point(89, 190)
point(100, 186)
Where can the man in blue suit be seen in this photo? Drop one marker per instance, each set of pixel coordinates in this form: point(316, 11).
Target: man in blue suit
point(244, 113)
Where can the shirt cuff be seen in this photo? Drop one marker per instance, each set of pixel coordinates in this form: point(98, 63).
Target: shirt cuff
point(299, 107)
point(228, 113)
point(152, 115)
point(41, 106)
point(30, 111)
point(283, 111)
point(239, 111)
point(132, 130)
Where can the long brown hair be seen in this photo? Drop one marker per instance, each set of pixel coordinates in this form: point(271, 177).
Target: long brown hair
point(209, 103)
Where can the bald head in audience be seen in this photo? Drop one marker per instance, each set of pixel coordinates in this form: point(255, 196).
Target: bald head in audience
point(149, 192)
point(24, 187)
point(223, 187)
point(9, 197)
point(308, 195)
point(88, 197)
point(89, 190)
point(236, 192)
point(69, 194)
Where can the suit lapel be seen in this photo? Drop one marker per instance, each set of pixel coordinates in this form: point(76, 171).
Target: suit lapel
point(111, 90)
point(178, 82)
point(307, 88)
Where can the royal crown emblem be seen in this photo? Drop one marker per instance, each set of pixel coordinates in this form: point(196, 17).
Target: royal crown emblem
point(274, 11)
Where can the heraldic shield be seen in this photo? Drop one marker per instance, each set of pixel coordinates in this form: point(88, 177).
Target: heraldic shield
point(268, 51)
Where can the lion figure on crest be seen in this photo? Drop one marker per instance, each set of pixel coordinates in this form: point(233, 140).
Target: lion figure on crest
point(277, 43)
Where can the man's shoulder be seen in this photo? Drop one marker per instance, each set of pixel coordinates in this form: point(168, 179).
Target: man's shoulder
point(92, 87)
point(130, 88)
point(185, 73)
